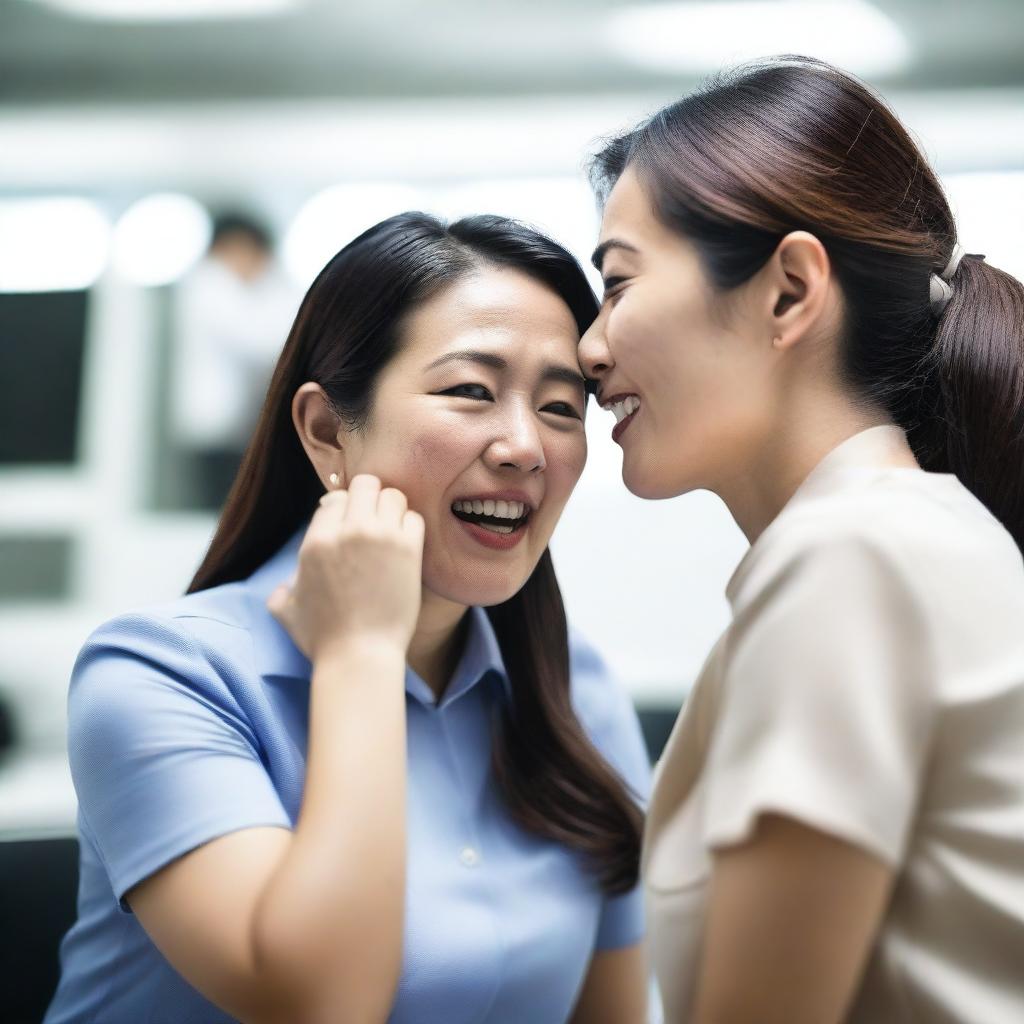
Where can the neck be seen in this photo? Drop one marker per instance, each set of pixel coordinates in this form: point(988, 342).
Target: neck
point(793, 447)
point(438, 641)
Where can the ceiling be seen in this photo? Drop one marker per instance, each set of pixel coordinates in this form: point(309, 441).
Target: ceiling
point(452, 48)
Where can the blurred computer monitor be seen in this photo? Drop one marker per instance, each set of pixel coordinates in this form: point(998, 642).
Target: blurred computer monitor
point(42, 349)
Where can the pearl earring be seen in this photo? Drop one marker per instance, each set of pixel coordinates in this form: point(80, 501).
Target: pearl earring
point(335, 479)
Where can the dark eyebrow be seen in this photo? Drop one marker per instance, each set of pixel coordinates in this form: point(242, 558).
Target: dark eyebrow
point(612, 243)
point(496, 362)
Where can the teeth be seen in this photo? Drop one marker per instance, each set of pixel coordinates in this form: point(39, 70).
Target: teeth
point(626, 407)
point(489, 507)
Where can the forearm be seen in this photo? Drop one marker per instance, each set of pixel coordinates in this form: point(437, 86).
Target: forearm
point(329, 925)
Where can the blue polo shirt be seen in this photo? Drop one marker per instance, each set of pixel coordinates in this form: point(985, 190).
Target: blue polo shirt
point(188, 720)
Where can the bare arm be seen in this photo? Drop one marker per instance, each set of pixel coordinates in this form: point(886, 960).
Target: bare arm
point(615, 988)
point(792, 916)
point(306, 926)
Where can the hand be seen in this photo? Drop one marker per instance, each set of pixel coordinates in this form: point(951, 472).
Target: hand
point(360, 572)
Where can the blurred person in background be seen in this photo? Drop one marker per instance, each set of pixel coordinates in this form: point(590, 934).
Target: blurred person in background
point(363, 770)
point(231, 315)
point(837, 825)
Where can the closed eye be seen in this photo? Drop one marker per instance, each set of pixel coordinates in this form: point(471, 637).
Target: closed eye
point(610, 284)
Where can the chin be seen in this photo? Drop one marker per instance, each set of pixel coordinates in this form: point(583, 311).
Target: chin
point(483, 591)
point(653, 483)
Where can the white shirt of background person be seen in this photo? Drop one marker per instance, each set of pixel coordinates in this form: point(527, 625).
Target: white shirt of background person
point(232, 315)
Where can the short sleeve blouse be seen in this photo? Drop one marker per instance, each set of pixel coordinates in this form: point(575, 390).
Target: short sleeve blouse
point(870, 685)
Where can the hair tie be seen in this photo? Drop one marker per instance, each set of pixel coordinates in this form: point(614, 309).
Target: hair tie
point(939, 291)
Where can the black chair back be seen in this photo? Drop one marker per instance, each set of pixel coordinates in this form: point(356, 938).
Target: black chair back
point(38, 896)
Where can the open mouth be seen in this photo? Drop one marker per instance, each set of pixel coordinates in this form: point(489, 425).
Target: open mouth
point(501, 519)
point(624, 409)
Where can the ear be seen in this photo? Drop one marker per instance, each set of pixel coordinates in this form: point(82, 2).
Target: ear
point(321, 432)
point(799, 287)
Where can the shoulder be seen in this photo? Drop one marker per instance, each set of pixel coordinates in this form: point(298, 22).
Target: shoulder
point(902, 534)
point(197, 645)
point(606, 711)
point(920, 539)
point(829, 582)
point(206, 616)
point(811, 557)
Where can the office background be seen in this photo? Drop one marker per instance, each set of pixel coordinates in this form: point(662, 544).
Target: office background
point(125, 127)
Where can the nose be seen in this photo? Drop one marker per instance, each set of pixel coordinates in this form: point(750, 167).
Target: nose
point(592, 352)
point(519, 443)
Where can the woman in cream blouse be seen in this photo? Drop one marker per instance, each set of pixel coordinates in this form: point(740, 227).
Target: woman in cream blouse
point(837, 826)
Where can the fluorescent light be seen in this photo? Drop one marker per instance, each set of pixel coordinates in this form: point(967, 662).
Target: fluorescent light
point(170, 10)
point(697, 38)
point(159, 238)
point(989, 212)
point(53, 244)
point(332, 218)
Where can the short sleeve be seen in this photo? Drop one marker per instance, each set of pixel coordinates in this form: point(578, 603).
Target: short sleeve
point(827, 702)
point(161, 756)
point(608, 714)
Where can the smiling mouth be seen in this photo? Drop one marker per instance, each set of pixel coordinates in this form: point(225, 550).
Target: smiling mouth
point(494, 523)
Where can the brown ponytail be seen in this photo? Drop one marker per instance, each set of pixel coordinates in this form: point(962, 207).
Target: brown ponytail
point(978, 365)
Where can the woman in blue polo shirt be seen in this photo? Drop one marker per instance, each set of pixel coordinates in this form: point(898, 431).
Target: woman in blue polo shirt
point(362, 771)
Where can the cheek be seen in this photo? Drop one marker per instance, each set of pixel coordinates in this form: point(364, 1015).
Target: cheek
point(571, 457)
point(629, 331)
point(410, 465)
point(566, 458)
point(667, 347)
point(645, 334)
point(430, 461)
point(428, 448)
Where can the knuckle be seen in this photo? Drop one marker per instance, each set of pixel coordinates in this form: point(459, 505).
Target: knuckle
point(356, 531)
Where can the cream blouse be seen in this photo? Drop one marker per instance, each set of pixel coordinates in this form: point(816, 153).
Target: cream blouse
point(870, 685)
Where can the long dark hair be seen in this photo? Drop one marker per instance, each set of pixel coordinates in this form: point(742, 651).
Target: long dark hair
point(792, 144)
point(348, 328)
